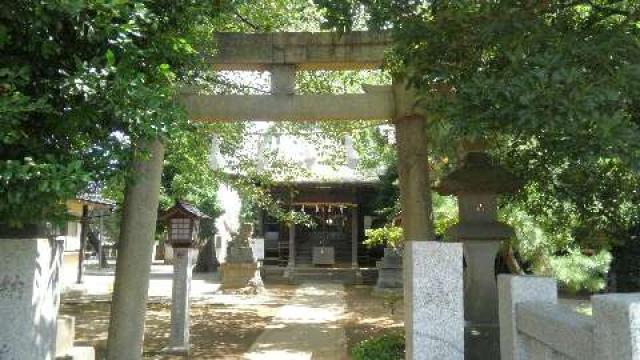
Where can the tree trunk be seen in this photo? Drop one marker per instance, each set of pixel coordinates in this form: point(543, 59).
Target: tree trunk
point(510, 260)
point(207, 260)
point(103, 258)
point(413, 178)
point(135, 248)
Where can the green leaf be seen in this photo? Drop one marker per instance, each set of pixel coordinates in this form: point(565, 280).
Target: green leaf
point(111, 58)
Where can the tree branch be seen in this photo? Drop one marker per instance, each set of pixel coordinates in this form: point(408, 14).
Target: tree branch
point(247, 22)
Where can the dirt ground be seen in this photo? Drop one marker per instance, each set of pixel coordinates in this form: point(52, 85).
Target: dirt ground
point(218, 331)
point(222, 331)
point(368, 316)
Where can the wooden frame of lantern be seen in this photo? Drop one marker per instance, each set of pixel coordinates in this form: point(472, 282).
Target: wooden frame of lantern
point(183, 225)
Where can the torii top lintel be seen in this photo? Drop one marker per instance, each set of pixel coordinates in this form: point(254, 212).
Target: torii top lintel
point(307, 51)
point(282, 54)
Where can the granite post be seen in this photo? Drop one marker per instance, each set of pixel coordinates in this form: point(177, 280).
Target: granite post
point(29, 297)
point(180, 303)
point(434, 308)
point(65, 333)
point(512, 290)
point(617, 326)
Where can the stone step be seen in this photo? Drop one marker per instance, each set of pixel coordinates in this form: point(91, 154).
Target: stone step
point(65, 334)
point(79, 353)
point(304, 276)
point(369, 276)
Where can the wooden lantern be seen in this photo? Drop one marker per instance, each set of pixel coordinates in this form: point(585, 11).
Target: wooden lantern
point(183, 224)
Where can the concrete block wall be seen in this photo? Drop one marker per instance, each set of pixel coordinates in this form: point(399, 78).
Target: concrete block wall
point(534, 326)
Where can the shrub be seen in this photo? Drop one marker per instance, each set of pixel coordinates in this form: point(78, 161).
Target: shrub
point(389, 236)
point(576, 271)
point(386, 347)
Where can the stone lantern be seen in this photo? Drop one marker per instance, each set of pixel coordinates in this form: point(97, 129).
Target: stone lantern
point(477, 184)
point(183, 222)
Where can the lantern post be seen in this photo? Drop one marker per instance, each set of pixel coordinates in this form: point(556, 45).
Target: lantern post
point(477, 184)
point(183, 225)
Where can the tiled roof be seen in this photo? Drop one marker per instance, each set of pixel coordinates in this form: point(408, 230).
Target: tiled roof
point(308, 160)
point(95, 199)
point(478, 173)
point(192, 209)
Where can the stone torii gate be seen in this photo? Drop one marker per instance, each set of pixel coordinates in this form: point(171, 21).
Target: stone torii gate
point(434, 320)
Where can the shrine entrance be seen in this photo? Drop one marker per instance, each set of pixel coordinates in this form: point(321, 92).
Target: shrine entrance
point(434, 322)
point(326, 241)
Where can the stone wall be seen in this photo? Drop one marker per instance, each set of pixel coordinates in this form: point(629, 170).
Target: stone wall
point(29, 297)
point(534, 326)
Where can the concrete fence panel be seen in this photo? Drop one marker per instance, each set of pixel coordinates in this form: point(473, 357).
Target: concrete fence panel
point(534, 326)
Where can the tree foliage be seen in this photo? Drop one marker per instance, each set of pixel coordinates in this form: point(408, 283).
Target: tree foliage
point(552, 88)
point(80, 84)
point(551, 84)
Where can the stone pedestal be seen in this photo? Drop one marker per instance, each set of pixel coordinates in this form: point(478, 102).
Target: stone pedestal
point(389, 272)
point(434, 310)
point(482, 241)
point(240, 254)
point(29, 297)
point(482, 342)
point(238, 275)
point(180, 303)
point(240, 268)
point(481, 295)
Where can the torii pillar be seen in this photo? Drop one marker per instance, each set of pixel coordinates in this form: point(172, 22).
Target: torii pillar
point(433, 292)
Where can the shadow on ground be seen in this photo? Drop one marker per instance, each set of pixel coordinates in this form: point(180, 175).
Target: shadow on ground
point(218, 331)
